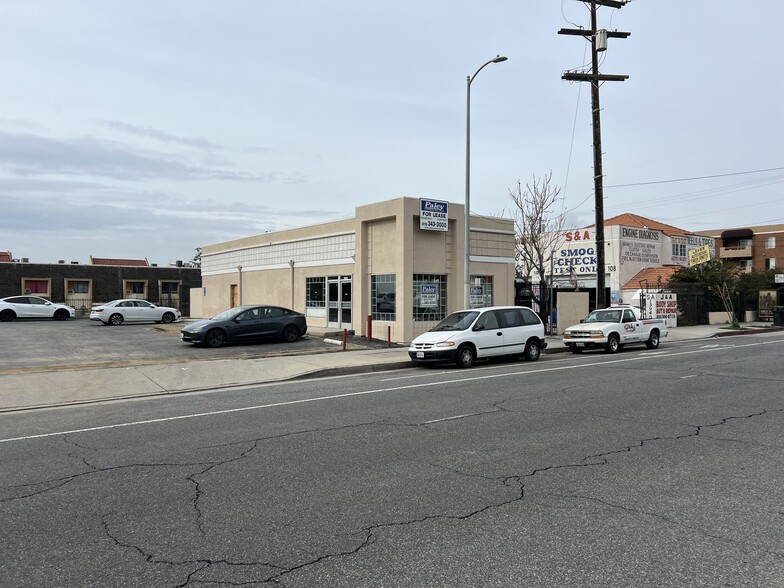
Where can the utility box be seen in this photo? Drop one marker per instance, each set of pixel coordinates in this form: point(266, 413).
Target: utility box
point(778, 316)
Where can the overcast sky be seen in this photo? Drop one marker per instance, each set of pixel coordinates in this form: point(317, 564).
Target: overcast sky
point(146, 129)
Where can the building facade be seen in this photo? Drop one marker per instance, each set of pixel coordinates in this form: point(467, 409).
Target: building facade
point(752, 248)
point(83, 285)
point(633, 246)
point(393, 270)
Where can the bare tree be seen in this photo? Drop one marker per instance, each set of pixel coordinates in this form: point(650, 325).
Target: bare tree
point(539, 222)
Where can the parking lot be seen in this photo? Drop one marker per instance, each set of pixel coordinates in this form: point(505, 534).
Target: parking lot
point(29, 345)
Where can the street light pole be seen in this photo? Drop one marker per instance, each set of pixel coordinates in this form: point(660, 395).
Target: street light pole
point(467, 263)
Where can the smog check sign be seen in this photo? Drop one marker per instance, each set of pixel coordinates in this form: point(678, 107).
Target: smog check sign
point(433, 215)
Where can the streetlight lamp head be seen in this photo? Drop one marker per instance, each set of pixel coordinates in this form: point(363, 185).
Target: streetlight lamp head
point(500, 58)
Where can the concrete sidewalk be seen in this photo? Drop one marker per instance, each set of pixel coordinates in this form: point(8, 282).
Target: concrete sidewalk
point(62, 387)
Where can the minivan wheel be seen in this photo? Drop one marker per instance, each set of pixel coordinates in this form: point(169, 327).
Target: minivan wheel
point(532, 351)
point(466, 356)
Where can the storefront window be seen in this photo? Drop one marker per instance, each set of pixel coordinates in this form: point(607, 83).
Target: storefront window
point(429, 297)
point(315, 296)
point(382, 295)
point(481, 292)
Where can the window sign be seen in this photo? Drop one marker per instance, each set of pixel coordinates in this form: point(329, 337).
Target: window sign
point(428, 296)
point(477, 296)
point(433, 215)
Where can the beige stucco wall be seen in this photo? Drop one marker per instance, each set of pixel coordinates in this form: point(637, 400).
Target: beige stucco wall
point(382, 238)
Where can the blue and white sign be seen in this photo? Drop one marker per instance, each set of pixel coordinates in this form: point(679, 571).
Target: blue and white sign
point(428, 296)
point(433, 215)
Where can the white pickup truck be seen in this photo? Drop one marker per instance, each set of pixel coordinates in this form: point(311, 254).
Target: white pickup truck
point(612, 328)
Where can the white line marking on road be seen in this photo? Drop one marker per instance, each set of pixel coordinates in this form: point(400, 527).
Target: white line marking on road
point(367, 393)
point(686, 377)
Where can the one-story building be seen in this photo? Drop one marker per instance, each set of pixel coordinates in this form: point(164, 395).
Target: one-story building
point(393, 270)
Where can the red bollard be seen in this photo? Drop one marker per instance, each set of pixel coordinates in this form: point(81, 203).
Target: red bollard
point(389, 335)
point(370, 328)
point(345, 336)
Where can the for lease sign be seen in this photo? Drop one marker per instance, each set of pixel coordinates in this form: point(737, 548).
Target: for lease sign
point(433, 215)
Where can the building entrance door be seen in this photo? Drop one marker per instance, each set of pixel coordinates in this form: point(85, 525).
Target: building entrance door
point(339, 302)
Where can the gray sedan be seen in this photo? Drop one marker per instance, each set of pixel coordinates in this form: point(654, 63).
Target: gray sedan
point(247, 323)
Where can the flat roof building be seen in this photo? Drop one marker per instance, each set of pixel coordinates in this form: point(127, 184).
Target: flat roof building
point(395, 268)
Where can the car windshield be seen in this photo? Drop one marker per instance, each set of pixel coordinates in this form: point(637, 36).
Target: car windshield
point(457, 321)
point(604, 316)
point(225, 315)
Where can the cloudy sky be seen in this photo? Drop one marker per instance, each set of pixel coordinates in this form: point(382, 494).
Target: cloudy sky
point(149, 128)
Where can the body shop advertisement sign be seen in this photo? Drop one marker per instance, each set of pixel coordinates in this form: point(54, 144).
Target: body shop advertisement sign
point(663, 306)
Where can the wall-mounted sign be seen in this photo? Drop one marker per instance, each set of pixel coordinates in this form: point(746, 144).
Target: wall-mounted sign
point(433, 215)
point(577, 254)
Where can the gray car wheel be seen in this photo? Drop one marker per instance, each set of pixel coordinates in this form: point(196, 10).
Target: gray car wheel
point(532, 351)
point(466, 356)
point(653, 340)
point(215, 338)
point(168, 317)
point(613, 344)
point(290, 334)
point(116, 319)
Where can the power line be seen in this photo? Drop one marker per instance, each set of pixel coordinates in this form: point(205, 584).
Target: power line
point(756, 171)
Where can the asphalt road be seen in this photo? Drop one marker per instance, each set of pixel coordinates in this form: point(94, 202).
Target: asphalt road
point(661, 468)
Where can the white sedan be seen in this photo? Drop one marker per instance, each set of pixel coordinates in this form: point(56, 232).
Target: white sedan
point(33, 307)
point(117, 312)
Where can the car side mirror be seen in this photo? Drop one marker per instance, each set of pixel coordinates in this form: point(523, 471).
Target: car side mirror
point(582, 320)
point(479, 328)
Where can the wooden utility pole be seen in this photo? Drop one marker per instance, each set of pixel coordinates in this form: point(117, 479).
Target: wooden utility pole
point(598, 43)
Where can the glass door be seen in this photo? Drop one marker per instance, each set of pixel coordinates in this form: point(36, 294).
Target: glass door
point(339, 302)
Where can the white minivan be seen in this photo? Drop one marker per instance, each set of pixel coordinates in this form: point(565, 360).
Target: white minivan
point(467, 335)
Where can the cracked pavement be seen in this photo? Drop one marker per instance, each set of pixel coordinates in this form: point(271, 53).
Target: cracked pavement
point(507, 475)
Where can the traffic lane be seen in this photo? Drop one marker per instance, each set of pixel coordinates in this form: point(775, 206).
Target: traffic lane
point(490, 477)
point(397, 382)
point(47, 343)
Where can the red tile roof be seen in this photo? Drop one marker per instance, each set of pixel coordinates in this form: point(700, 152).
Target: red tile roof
point(6, 256)
point(651, 277)
point(634, 220)
point(126, 262)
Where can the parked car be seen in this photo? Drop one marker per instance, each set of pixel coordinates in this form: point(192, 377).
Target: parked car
point(33, 307)
point(118, 312)
point(612, 328)
point(467, 335)
point(247, 323)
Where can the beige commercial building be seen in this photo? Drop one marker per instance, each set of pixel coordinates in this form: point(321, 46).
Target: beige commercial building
point(396, 268)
